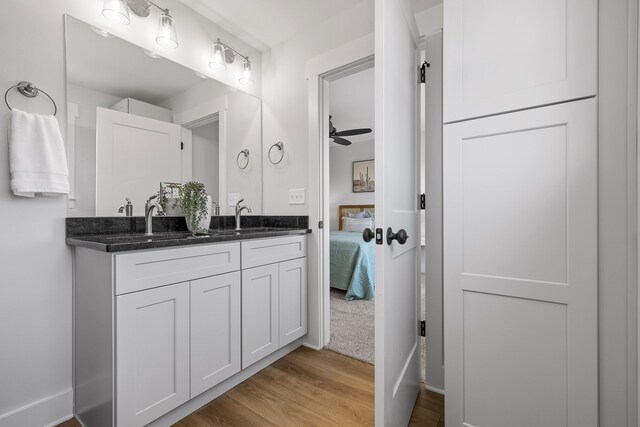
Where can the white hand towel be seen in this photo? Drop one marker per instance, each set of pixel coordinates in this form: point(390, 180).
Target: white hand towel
point(37, 160)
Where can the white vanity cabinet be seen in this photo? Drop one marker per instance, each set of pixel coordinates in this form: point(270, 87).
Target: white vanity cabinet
point(274, 295)
point(215, 330)
point(152, 353)
point(158, 329)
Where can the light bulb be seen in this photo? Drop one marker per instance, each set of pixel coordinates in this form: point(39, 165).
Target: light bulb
point(167, 31)
point(246, 79)
point(216, 61)
point(116, 11)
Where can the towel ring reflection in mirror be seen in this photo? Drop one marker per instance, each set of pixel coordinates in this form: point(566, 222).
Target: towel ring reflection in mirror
point(280, 146)
point(244, 153)
point(30, 91)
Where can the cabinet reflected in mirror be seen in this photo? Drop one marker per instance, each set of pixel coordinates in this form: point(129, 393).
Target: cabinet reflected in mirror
point(136, 119)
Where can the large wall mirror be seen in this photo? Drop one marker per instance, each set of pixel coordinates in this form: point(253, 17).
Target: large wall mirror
point(136, 120)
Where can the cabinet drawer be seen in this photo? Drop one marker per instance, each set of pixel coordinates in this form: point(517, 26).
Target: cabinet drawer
point(269, 251)
point(144, 270)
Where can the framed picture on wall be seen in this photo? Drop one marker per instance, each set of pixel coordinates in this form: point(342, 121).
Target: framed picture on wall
point(364, 176)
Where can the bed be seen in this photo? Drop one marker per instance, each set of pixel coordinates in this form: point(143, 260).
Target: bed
point(351, 259)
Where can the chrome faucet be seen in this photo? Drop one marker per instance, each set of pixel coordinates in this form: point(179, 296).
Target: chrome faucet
point(148, 215)
point(239, 210)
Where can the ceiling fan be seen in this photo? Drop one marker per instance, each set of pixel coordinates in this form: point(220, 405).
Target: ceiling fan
point(337, 136)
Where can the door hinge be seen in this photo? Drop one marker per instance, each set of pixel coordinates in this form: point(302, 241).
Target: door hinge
point(320, 225)
point(423, 328)
point(181, 145)
point(423, 201)
point(423, 71)
point(379, 240)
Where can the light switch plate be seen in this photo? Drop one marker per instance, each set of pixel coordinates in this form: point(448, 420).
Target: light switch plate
point(296, 196)
point(233, 199)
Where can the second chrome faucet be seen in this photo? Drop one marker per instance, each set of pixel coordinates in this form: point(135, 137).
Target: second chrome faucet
point(239, 210)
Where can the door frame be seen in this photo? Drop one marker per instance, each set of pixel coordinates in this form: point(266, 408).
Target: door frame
point(342, 61)
point(200, 115)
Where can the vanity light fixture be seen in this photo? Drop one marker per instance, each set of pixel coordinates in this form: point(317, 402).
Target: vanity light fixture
point(167, 36)
point(245, 79)
point(216, 62)
point(118, 11)
point(222, 54)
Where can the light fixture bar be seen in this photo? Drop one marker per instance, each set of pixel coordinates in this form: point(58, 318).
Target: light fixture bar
point(235, 52)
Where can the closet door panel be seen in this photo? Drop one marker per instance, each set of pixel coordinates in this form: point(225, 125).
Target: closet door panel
point(501, 55)
point(520, 268)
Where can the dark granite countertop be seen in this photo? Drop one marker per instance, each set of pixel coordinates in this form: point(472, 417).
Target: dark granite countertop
point(118, 234)
point(138, 241)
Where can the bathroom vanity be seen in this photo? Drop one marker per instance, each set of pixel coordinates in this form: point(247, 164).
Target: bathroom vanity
point(168, 326)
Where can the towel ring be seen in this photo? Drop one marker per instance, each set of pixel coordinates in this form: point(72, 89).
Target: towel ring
point(280, 146)
point(30, 91)
point(244, 152)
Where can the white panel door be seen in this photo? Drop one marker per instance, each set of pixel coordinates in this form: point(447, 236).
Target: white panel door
point(133, 155)
point(397, 176)
point(505, 55)
point(520, 259)
point(292, 300)
point(152, 353)
point(259, 313)
point(215, 330)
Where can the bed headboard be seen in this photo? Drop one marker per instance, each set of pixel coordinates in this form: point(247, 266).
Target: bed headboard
point(344, 209)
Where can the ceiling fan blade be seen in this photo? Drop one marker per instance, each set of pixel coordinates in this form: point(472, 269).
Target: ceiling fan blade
point(341, 141)
point(352, 132)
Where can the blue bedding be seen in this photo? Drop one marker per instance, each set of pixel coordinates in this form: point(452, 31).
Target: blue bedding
point(352, 265)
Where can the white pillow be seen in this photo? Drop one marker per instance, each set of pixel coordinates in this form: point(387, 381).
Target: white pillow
point(356, 224)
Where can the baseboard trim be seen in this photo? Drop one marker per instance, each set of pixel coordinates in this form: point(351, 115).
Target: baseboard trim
point(49, 411)
point(433, 389)
point(311, 346)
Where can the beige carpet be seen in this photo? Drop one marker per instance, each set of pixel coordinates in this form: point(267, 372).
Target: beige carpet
point(352, 327)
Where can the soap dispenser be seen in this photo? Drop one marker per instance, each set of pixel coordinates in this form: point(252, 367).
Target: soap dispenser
point(127, 209)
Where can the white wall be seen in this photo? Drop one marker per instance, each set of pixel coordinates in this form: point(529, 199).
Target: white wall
point(285, 99)
point(205, 157)
point(341, 192)
point(35, 296)
point(85, 145)
point(617, 218)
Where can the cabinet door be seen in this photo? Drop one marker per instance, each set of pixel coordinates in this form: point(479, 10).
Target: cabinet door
point(215, 330)
point(259, 313)
point(292, 300)
point(504, 55)
point(152, 353)
point(520, 268)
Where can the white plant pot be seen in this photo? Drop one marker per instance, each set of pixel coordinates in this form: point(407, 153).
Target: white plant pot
point(204, 223)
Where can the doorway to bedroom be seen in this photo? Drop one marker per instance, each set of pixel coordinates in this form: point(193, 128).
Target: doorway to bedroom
point(351, 210)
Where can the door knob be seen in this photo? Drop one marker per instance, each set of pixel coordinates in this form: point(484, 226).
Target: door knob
point(401, 236)
point(367, 235)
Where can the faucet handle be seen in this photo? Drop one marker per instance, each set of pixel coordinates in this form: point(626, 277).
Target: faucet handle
point(239, 201)
point(152, 197)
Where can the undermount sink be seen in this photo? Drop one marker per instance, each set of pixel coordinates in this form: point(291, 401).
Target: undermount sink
point(135, 238)
point(245, 231)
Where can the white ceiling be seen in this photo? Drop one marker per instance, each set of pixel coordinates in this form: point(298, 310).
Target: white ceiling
point(351, 103)
point(265, 24)
point(119, 68)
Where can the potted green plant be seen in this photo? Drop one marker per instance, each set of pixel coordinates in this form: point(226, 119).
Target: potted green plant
point(196, 207)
